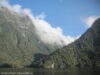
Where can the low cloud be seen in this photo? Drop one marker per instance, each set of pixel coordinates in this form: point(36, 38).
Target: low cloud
point(90, 20)
point(4, 3)
point(44, 30)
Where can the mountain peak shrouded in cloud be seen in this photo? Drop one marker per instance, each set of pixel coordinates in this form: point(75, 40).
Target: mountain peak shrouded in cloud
point(44, 30)
point(90, 20)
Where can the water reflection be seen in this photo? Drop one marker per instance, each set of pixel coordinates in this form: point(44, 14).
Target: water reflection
point(71, 71)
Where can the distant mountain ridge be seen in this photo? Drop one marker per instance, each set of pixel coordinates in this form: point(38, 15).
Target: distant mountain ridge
point(18, 40)
point(84, 52)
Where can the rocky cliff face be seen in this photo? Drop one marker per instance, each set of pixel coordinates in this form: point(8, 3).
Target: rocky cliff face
point(20, 46)
point(18, 40)
point(84, 52)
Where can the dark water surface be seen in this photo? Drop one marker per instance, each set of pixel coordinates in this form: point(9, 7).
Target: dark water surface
point(71, 71)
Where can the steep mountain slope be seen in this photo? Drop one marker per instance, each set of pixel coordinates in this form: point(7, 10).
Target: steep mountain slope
point(18, 40)
point(82, 53)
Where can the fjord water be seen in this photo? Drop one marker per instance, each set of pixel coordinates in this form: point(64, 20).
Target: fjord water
point(71, 71)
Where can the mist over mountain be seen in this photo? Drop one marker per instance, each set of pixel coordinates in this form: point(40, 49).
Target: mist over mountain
point(84, 52)
point(24, 36)
point(28, 40)
point(45, 31)
point(19, 42)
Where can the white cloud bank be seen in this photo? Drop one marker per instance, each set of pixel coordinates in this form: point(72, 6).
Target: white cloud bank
point(90, 20)
point(45, 31)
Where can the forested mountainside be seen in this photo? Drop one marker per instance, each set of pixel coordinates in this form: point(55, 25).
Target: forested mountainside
point(84, 52)
point(19, 43)
point(20, 46)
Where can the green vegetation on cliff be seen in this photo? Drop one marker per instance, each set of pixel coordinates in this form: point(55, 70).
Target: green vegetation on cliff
point(18, 40)
point(84, 52)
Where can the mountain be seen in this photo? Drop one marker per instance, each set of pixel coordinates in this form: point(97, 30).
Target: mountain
point(84, 52)
point(19, 43)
